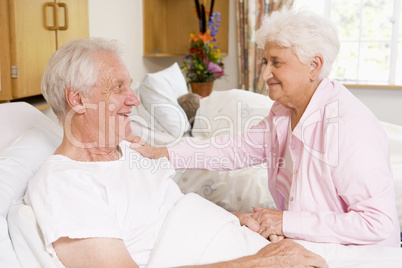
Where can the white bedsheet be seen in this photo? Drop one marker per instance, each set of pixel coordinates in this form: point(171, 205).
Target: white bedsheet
point(199, 232)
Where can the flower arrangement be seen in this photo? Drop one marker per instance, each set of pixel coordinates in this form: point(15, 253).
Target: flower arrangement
point(204, 62)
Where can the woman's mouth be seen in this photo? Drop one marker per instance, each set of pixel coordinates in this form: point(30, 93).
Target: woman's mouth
point(273, 84)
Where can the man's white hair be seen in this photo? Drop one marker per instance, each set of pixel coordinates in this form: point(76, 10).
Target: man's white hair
point(73, 66)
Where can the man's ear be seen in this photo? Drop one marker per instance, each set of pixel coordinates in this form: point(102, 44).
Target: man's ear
point(74, 100)
point(316, 66)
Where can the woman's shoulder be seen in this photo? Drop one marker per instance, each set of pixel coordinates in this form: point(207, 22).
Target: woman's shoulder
point(353, 117)
point(348, 107)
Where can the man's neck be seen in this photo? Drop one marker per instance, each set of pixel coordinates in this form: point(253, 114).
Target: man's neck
point(88, 148)
point(93, 154)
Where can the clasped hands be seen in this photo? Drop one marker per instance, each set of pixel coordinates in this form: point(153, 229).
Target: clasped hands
point(267, 222)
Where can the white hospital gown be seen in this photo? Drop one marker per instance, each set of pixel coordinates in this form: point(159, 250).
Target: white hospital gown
point(126, 199)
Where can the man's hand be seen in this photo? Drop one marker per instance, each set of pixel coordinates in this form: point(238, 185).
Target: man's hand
point(146, 150)
point(285, 253)
point(288, 253)
point(275, 238)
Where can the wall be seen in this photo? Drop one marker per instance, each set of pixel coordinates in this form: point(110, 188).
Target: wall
point(122, 20)
point(386, 104)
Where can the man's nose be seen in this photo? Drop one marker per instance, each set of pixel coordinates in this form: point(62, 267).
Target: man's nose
point(132, 99)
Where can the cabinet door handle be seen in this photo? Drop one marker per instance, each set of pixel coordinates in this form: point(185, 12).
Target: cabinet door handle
point(55, 16)
point(64, 6)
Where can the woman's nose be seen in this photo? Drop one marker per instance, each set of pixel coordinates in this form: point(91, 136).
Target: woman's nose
point(267, 73)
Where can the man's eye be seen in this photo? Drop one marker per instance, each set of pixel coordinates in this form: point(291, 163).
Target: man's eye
point(264, 62)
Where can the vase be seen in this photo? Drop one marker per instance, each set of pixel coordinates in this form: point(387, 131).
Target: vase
point(202, 88)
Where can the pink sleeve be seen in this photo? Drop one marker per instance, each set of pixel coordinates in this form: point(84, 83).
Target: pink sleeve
point(225, 152)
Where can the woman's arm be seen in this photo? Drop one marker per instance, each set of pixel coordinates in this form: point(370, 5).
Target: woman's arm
point(146, 150)
point(223, 152)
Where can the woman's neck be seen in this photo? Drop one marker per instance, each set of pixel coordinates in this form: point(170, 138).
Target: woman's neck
point(299, 109)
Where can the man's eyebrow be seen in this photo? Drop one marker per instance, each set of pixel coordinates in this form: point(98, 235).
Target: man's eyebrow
point(117, 81)
point(121, 81)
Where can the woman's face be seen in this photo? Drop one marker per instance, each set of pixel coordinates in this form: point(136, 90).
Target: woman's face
point(287, 78)
point(112, 101)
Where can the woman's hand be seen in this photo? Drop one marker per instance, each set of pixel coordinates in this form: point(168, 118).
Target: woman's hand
point(270, 221)
point(146, 150)
point(246, 219)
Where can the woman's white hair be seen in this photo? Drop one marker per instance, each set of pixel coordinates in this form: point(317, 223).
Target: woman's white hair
point(305, 33)
point(73, 66)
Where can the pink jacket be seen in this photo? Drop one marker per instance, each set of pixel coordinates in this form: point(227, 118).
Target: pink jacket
point(342, 186)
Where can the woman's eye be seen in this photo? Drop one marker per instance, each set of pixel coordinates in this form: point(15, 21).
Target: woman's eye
point(264, 62)
point(276, 63)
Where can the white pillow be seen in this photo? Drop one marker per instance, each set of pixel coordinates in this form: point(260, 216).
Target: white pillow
point(28, 239)
point(7, 254)
point(18, 163)
point(229, 112)
point(394, 134)
point(158, 93)
point(143, 124)
point(229, 189)
point(220, 113)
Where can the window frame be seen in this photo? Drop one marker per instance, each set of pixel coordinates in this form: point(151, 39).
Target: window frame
point(394, 43)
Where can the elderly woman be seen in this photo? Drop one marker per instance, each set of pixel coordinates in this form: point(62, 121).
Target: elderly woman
point(327, 154)
point(95, 204)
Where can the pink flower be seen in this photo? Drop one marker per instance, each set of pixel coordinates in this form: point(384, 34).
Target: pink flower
point(214, 68)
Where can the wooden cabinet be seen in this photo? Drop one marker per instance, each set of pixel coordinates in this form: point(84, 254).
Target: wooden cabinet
point(34, 30)
point(168, 24)
point(5, 63)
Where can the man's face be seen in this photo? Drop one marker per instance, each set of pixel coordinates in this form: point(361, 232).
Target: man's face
point(111, 102)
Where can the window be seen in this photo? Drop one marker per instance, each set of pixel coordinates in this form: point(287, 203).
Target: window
point(370, 32)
